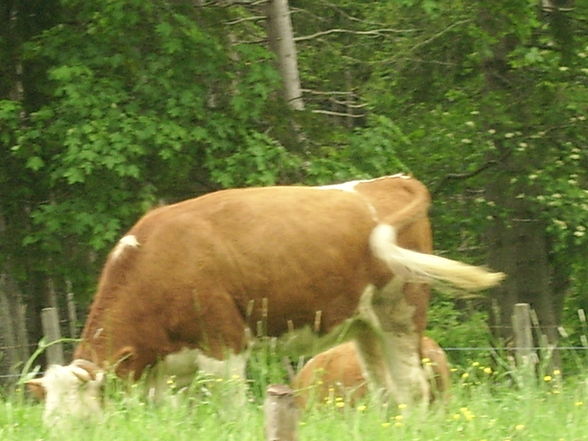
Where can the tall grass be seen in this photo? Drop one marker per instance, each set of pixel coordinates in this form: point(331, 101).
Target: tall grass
point(484, 406)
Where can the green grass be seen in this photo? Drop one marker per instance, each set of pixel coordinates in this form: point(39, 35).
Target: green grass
point(482, 407)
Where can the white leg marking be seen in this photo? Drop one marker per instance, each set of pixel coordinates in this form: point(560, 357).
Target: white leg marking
point(233, 394)
point(180, 368)
point(126, 241)
point(400, 344)
point(405, 367)
point(232, 367)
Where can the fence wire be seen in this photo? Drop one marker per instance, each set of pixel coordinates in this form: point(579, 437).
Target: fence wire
point(448, 349)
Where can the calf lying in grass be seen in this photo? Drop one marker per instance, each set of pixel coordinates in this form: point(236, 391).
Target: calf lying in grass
point(338, 373)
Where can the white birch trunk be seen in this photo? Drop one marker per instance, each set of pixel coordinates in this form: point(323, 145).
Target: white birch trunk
point(281, 40)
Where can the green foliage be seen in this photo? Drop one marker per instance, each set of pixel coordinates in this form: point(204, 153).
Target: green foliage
point(110, 107)
point(464, 329)
point(141, 101)
point(123, 111)
point(259, 161)
point(369, 151)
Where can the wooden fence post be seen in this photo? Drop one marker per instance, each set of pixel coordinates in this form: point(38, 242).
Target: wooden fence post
point(71, 312)
point(14, 343)
point(51, 332)
point(525, 355)
point(281, 414)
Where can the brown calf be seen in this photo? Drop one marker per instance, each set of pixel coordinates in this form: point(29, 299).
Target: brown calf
point(338, 373)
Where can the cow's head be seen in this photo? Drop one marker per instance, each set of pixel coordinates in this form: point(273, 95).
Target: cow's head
point(70, 392)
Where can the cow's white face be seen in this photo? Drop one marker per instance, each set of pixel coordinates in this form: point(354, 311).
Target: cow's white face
point(71, 392)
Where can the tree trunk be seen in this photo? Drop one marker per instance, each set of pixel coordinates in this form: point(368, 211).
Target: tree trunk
point(519, 248)
point(14, 344)
point(281, 41)
point(518, 239)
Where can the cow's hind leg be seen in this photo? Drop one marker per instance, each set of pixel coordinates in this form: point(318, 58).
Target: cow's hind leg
point(372, 357)
point(400, 311)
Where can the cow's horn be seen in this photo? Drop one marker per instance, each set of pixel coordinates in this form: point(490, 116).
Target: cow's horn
point(85, 370)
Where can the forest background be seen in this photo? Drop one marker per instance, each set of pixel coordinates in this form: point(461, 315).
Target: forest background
point(110, 108)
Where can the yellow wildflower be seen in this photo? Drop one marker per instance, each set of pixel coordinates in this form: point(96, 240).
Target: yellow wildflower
point(519, 427)
point(468, 414)
point(547, 378)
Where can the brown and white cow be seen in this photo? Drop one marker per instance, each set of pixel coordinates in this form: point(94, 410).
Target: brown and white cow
point(190, 283)
point(337, 373)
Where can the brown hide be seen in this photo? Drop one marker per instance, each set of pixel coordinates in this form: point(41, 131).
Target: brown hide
point(337, 373)
point(206, 269)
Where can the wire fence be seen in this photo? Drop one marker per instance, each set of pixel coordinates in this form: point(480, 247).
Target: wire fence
point(488, 349)
point(525, 326)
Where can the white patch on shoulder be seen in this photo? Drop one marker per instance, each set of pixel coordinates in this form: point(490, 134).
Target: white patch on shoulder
point(350, 186)
point(126, 241)
point(346, 186)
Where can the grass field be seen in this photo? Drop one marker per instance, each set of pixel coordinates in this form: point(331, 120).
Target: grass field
point(482, 408)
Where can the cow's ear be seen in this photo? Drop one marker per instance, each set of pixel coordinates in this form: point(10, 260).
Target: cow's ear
point(124, 360)
point(36, 388)
point(125, 354)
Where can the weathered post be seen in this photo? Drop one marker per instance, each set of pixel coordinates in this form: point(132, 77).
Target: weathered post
point(13, 330)
point(281, 414)
point(51, 332)
point(525, 355)
point(71, 311)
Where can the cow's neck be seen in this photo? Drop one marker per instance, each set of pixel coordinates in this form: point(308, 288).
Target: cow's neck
point(104, 344)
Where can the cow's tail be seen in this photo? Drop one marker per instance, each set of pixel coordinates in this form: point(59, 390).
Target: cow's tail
point(419, 267)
